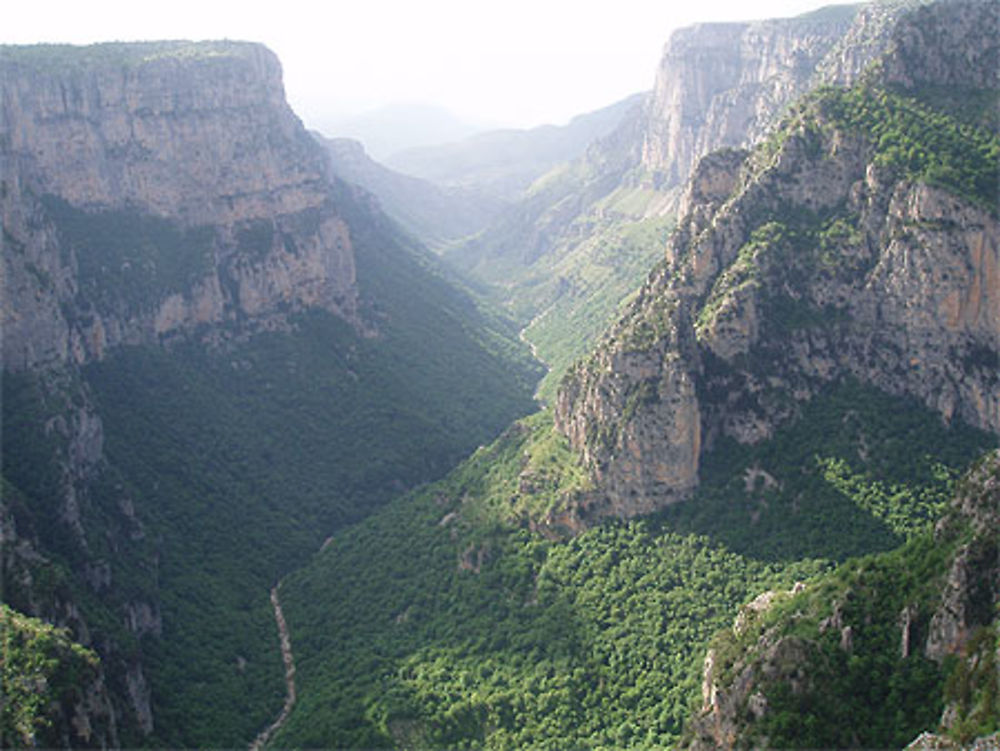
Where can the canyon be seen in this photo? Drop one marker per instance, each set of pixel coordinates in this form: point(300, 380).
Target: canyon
point(241, 358)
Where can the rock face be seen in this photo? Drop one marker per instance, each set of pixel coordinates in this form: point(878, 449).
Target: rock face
point(192, 145)
point(149, 192)
point(808, 260)
point(718, 86)
point(725, 84)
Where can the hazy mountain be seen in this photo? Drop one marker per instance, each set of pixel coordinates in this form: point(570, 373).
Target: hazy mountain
point(399, 127)
point(438, 216)
point(505, 162)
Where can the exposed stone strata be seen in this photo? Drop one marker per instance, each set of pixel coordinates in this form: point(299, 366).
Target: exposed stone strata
point(633, 413)
point(196, 142)
point(197, 135)
point(726, 84)
point(946, 44)
point(749, 308)
point(196, 131)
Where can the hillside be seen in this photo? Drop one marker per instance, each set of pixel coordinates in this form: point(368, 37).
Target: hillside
point(489, 617)
point(789, 398)
point(215, 354)
point(438, 216)
point(503, 163)
point(885, 647)
point(586, 235)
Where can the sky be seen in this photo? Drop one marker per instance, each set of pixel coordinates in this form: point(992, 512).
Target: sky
point(512, 63)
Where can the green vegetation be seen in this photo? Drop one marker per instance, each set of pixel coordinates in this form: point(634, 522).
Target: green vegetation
point(857, 471)
point(528, 474)
point(455, 635)
point(861, 679)
point(240, 458)
point(477, 612)
point(443, 621)
point(40, 666)
point(370, 416)
point(565, 261)
point(128, 261)
point(972, 686)
point(919, 141)
point(868, 695)
point(596, 282)
point(788, 251)
point(66, 58)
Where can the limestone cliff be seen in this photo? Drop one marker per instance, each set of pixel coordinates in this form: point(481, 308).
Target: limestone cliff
point(192, 148)
point(725, 84)
point(567, 246)
point(149, 192)
point(822, 254)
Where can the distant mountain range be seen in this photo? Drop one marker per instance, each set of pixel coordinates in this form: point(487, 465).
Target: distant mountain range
point(393, 128)
point(506, 162)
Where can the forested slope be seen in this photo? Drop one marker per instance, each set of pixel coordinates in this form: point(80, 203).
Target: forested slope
point(215, 354)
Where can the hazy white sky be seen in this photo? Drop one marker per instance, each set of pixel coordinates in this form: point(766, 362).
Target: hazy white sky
point(504, 62)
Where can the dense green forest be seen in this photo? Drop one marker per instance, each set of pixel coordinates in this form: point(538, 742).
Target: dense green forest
point(470, 630)
point(864, 679)
point(240, 458)
point(425, 524)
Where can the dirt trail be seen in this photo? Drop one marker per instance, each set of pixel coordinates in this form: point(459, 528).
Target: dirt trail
point(286, 655)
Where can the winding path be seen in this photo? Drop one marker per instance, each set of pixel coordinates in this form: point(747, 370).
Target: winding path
point(286, 655)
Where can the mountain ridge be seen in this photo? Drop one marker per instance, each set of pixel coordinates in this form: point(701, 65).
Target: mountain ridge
point(794, 385)
point(820, 186)
point(505, 162)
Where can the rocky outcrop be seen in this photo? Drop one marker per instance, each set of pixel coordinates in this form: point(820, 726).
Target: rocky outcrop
point(54, 690)
point(806, 261)
point(762, 660)
point(726, 85)
point(947, 45)
point(79, 709)
point(635, 418)
point(971, 590)
point(192, 150)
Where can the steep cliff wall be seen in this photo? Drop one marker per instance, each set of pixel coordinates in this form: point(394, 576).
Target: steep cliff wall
point(837, 248)
point(212, 353)
point(149, 191)
point(190, 147)
point(725, 85)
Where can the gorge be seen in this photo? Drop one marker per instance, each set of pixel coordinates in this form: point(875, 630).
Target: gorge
point(743, 517)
